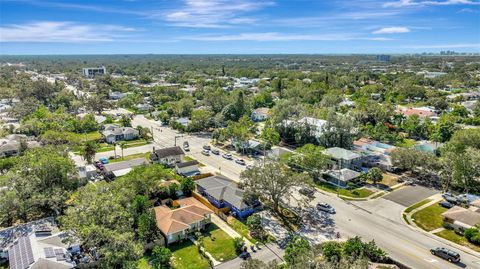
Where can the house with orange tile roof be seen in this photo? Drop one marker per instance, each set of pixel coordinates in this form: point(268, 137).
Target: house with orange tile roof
point(422, 112)
point(177, 224)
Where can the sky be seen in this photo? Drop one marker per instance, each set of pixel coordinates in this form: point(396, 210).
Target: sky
point(238, 26)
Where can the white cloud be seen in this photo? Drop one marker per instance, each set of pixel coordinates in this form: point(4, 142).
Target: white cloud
point(50, 31)
point(274, 36)
point(391, 30)
point(410, 3)
point(213, 13)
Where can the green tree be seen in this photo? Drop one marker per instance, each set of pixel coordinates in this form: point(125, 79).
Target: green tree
point(89, 150)
point(296, 249)
point(147, 230)
point(444, 128)
point(126, 121)
point(309, 158)
point(332, 250)
point(375, 175)
point(271, 182)
point(187, 186)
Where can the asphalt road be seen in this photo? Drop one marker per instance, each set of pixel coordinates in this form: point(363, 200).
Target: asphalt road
point(165, 137)
point(378, 220)
point(410, 195)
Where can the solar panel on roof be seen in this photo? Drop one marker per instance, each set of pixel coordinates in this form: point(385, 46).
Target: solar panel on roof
point(49, 253)
point(20, 254)
point(59, 251)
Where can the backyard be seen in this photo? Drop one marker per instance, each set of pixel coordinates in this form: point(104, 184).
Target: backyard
point(352, 193)
point(218, 243)
point(429, 218)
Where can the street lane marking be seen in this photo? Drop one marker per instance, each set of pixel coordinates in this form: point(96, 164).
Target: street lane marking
point(430, 260)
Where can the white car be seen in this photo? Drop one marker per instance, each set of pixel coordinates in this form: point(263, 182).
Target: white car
point(240, 161)
point(227, 156)
point(206, 152)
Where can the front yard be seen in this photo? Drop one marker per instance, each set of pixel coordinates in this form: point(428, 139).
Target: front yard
point(456, 238)
point(352, 193)
point(185, 255)
point(241, 228)
point(145, 155)
point(429, 218)
point(218, 243)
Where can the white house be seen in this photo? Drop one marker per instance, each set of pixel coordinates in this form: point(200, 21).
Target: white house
point(260, 114)
point(167, 156)
point(91, 72)
point(113, 133)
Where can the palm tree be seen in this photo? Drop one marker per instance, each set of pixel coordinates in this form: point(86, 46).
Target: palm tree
point(122, 146)
point(89, 151)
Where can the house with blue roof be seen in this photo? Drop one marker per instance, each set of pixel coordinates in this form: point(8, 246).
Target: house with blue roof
point(221, 192)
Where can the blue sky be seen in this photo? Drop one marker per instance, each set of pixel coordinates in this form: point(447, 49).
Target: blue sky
point(238, 26)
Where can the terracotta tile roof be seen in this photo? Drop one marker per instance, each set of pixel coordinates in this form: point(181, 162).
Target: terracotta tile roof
point(422, 113)
point(173, 221)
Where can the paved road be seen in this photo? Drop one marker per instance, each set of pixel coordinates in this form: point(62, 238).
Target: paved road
point(378, 220)
point(410, 195)
point(165, 137)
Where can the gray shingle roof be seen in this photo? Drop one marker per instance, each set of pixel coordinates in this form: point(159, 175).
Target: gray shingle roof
point(171, 151)
point(186, 164)
point(124, 164)
point(340, 153)
point(221, 188)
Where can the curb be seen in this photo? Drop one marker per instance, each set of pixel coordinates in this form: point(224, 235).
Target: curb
point(413, 226)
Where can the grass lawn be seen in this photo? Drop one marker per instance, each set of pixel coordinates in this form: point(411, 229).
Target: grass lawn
point(219, 244)
point(353, 193)
point(417, 205)
point(185, 255)
point(135, 143)
point(145, 155)
point(406, 143)
point(456, 238)
point(80, 137)
point(241, 228)
point(188, 158)
point(429, 218)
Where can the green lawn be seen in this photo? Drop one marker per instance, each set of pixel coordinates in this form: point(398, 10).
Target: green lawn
point(185, 255)
point(145, 155)
point(429, 218)
point(456, 238)
point(353, 193)
point(241, 228)
point(136, 143)
point(188, 158)
point(417, 205)
point(219, 244)
point(80, 137)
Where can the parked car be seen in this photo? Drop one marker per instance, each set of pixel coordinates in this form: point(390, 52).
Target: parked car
point(446, 254)
point(104, 160)
point(186, 146)
point(215, 151)
point(446, 204)
point(449, 197)
point(206, 152)
point(245, 255)
point(326, 208)
point(240, 161)
point(207, 147)
point(227, 156)
point(309, 192)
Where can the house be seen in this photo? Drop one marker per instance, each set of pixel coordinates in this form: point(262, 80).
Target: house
point(143, 107)
point(116, 95)
point(422, 112)
point(118, 169)
point(459, 218)
point(341, 177)
point(183, 121)
point(187, 169)
point(114, 133)
point(316, 125)
point(344, 158)
point(178, 224)
point(167, 156)
point(221, 192)
point(376, 153)
point(260, 114)
point(42, 248)
point(11, 145)
point(87, 171)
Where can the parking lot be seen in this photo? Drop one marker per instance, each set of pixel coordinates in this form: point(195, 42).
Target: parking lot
point(410, 195)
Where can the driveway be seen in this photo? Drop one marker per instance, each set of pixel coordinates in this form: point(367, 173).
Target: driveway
point(410, 195)
point(267, 254)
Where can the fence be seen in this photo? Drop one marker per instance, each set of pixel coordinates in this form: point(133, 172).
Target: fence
point(203, 200)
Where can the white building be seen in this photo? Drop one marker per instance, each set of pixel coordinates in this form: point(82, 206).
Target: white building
point(91, 72)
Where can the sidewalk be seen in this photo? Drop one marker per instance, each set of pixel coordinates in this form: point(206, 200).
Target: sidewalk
point(436, 198)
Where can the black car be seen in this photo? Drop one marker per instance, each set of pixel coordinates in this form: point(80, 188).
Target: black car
point(446, 254)
point(245, 255)
point(207, 147)
point(446, 204)
point(215, 151)
point(449, 197)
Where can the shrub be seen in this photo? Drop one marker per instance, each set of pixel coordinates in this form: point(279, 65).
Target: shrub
point(238, 243)
point(473, 235)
